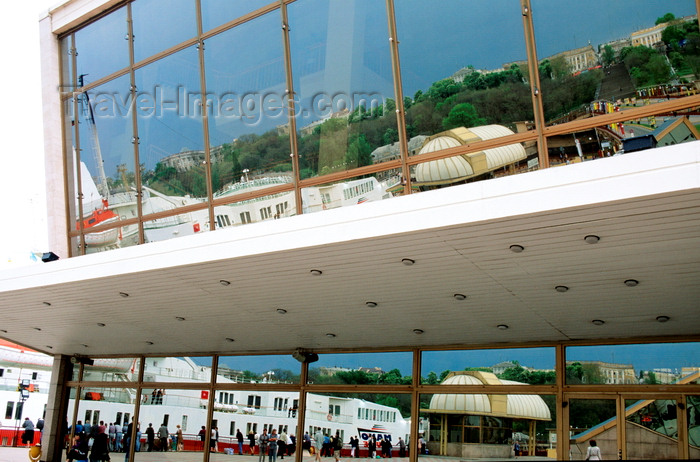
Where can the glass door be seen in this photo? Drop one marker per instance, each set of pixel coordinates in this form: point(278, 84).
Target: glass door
point(593, 428)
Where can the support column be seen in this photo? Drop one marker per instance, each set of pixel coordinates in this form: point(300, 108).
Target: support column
point(55, 427)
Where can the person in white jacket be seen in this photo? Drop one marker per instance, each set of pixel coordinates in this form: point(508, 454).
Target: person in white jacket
point(593, 451)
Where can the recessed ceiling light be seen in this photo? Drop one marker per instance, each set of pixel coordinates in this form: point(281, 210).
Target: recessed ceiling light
point(123, 294)
point(330, 335)
point(148, 342)
point(460, 297)
point(516, 248)
point(662, 318)
point(561, 289)
point(101, 324)
point(179, 318)
point(371, 304)
point(598, 322)
point(37, 328)
point(591, 239)
point(631, 282)
point(47, 303)
point(502, 326)
point(408, 261)
point(418, 331)
point(316, 272)
point(281, 311)
point(229, 339)
point(224, 282)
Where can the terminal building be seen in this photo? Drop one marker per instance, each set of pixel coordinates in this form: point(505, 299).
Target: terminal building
point(276, 253)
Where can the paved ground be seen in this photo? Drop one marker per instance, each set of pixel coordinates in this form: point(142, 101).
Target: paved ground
point(22, 455)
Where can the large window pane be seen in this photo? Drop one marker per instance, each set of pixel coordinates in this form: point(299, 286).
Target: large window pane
point(463, 65)
point(107, 163)
point(171, 369)
point(178, 410)
point(651, 429)
point(111, 370)
point(652, 364)
point(625, 49)
point(534, 366)
point(91, 42)
point(343, 83)
point(593, 425)
point(271, 369)
point(248, 109)
point(488, 426)
point(217, 12)
point(363, 369)
point(104, 411)
point(160, 24)
point(367, 424)
point(171, 142)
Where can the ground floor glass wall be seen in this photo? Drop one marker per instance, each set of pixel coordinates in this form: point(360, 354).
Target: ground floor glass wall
point(491, 403)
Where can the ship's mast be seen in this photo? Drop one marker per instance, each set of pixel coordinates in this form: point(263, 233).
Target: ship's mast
point(102, 186)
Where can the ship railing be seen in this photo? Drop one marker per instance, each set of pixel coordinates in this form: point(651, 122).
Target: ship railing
point(254, 183)
point(179, 373)
point(171, 399)
point(338, 418)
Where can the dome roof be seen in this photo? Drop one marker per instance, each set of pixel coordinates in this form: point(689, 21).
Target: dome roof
point(512, 405)
point(462, 167)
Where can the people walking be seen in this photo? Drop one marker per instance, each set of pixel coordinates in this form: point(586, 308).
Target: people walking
point(272, 451)
point(150, 437)
point(337, 445)
point(251, 442)
point(263, 441)
point(239, 437)
point(318, 445)
point(163, 434)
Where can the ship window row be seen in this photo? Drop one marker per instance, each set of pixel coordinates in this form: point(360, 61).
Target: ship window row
point(92, 416)
point(376, 414)
point(355, 191)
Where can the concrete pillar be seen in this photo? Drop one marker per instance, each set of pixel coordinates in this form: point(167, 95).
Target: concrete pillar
point(52, 440)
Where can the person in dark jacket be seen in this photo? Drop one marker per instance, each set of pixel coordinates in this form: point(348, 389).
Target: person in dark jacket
point(100, 447)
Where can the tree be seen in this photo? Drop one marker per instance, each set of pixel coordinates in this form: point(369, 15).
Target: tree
point(668, 17)
point(285, 375)
point(608, 55)
point(545, 69)
point(462, 115)
point(442, 89)
point(560, 68)
point(650, 379)
point(359, 152)
point(391, 135)
point(431, 379)
point(574, 373)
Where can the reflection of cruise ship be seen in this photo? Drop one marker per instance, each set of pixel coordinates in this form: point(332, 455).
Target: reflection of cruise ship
point(123, 206)
point(250, 410)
